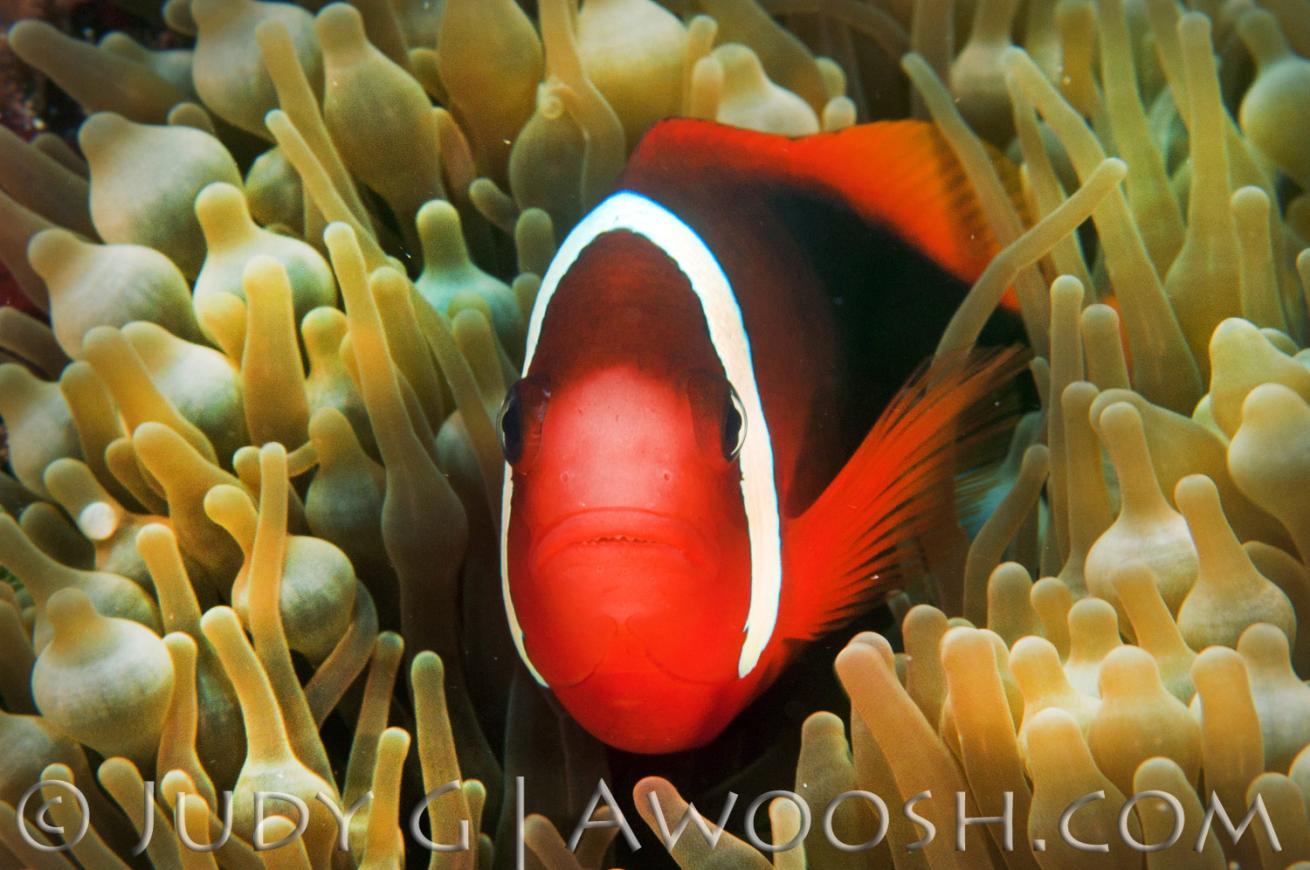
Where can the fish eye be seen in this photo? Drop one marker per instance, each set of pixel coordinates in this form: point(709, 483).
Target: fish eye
point(734, 425)
point(510, 425)
point(520, 419)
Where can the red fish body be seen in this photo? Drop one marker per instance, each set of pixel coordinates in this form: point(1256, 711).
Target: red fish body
point(690, 495)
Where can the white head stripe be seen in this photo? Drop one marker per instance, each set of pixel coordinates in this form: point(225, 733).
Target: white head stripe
point(636, 214)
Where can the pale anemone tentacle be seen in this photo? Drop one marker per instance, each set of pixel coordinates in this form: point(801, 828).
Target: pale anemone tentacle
point(995, 203)
point(1161, 357)
point(969, 319)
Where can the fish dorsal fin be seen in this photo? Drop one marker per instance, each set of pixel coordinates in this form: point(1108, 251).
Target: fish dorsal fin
point(854, 544)
point(900, 174)
point(904, 174)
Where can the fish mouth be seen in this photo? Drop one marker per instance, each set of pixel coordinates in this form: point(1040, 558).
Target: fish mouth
point(619, 530)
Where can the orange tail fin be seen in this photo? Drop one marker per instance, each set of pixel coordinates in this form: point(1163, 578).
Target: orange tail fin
point(852, 545)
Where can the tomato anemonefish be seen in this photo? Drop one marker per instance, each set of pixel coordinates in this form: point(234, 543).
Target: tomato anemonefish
point(692, 491)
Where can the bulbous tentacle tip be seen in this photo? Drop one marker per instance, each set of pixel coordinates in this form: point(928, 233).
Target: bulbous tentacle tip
point(220, 202)
point(100, 131)
point(70, 611)
point(340, 26)
point(1197, 496)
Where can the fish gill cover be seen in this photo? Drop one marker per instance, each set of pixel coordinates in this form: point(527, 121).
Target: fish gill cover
point(266, 301)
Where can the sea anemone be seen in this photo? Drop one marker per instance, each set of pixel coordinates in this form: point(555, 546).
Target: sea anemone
point(271, 303)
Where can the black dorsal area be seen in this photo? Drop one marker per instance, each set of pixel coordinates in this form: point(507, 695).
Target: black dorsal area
point(890, 302)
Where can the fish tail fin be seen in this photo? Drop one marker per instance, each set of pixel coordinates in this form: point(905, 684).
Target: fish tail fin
point(859, 539)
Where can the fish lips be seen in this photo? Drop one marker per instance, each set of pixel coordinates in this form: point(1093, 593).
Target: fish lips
point(630, 533)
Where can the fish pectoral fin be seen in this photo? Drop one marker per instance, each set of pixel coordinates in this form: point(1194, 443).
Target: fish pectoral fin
point(860, 538)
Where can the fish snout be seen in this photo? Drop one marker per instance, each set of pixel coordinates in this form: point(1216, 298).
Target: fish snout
point(650, 486)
